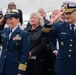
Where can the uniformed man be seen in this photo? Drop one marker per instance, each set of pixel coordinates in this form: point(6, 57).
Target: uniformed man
point(65, 32)
point(15, 43)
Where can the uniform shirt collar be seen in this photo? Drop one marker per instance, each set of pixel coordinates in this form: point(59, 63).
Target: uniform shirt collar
point(13, 29)
point(74, 24)
point(74, 27)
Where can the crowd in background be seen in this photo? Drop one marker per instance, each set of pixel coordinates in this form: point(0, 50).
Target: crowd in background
point(41, 59)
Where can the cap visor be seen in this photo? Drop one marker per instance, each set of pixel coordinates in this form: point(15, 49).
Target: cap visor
point(69, 10)
point(7, 16)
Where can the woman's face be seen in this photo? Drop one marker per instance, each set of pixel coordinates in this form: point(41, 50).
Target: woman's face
point(12, 22)
point(34, 20)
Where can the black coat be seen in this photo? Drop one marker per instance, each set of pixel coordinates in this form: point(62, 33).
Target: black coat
point(38, 44)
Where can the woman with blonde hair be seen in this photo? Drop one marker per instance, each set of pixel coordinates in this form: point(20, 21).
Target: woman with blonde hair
point(37, 54)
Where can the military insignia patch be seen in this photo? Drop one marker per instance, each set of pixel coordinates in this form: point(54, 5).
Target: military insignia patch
point(22, 67)
point(8, 11)
point(62, 43)
point(66, 5)
point(46, 30)
point(3, 35)
point(17, 37)
point(63, 33)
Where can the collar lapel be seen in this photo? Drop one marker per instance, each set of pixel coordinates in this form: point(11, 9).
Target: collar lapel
point(74, 33)
point(7, 33)
point(67, 28)
point(14, 33)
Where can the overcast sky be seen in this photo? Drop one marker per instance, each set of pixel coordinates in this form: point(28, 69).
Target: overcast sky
point(28, 6)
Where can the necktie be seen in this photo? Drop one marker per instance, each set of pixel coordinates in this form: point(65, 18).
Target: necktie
point(72, 29)
point(10, 33)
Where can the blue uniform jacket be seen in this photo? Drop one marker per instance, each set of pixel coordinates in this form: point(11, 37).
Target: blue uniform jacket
point(15, 52)
point(66, 58)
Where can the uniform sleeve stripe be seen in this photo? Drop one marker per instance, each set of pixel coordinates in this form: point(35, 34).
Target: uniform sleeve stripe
point(22, 67)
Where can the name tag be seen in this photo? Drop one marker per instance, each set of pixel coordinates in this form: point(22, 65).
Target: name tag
point(3, 35)
point(63, 33)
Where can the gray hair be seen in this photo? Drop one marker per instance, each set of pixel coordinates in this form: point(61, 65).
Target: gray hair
point(41, 23)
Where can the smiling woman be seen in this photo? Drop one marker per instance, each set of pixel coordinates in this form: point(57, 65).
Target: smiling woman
point(37, 54)
point(15, 42)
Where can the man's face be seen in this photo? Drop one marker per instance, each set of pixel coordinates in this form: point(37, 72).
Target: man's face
point(12, 6)
point(63, 15)
point(54, 13)
point(71, 17)
point(42, 12)
point(12, 22)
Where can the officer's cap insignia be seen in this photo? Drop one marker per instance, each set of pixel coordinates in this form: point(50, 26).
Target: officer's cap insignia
point(69, 6)
point(66, 5)
point(8, 11)
point(46, 29)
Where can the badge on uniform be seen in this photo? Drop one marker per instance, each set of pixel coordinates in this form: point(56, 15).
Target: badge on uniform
point(3, 35)
point(62, 43)
point(17, 37)
point(63, 33)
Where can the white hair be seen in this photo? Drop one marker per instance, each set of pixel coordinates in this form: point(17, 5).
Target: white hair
point(41, 21)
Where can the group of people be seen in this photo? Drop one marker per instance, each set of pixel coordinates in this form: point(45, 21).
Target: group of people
point(65, 33)
point(43, 47)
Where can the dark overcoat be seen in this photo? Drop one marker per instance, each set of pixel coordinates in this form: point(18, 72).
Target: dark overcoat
point(66, 58)
point(15, 52)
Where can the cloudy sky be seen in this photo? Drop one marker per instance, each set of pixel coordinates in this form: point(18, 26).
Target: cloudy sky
point(28, 6)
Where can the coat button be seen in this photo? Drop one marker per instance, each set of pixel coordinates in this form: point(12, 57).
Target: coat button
point(71, 40)
point(62, 43)
point(7, 42)
point(6, 49)
point(2, 39)
point(70, 45)
point(25, 62)
point(61, 38)
point(5, 56)
point(16, 44)
point(69, 55)
point(70, 50)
